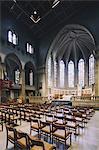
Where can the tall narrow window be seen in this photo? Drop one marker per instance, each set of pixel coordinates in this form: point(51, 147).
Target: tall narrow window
point(91, 70)
point(17, 76)
point(55, 73)
point(49, 72)
point(10, 36)
point(31, 77)
point(29, 48)
point(14, 39)
point(62, 67)
point(71, 74)
point(81, 72)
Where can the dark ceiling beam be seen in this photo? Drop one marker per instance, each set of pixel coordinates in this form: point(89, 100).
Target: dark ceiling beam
point(42, 18)
point(19, 15)
point(60, 22)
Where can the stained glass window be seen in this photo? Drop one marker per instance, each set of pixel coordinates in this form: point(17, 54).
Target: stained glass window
point(81, 72)
point(29, 48)
point(17, 76)
point(31, 77)
point(71, 74)
point(10, 36)
point(62, 67)
point(49, 71)
point(91, 70)
point(14, 39)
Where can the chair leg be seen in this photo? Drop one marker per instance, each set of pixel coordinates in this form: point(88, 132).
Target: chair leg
point(70, 139)
point(78, 130)
point(65, 143)
point(7, 144)
point(2, 126)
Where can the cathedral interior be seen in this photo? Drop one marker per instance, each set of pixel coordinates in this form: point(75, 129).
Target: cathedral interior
point(49, 75)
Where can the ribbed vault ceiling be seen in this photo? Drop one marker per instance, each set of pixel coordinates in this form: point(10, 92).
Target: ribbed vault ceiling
point(72, 43)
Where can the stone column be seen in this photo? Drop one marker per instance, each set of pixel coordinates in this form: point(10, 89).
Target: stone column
point(58, 75)
point(66, 75)
point(2, 70)
point(22, 78)
point(97, 75)
point(52, 71)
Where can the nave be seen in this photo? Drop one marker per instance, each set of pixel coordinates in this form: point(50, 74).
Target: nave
point(88, 137)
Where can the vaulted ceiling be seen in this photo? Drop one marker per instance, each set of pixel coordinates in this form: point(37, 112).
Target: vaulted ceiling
point(73, 42)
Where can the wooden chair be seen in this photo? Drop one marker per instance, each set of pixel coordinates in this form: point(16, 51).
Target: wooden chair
point(25, 141)
point(61, 133)
point(34, 125)
point(1, 121)
point(36, 144)
point(78, 117)
point(22, 141)
point(11, 136)
point(71, 124)
point(45, 128)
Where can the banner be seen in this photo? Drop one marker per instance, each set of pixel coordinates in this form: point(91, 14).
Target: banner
point(5, 84)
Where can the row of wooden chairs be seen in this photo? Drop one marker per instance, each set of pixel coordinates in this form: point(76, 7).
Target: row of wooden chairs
point(52, 129)
point(9, 117)
point(24, 141)
point(74, 117)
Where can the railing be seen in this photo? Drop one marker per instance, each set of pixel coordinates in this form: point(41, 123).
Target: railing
point(38, 99)
point(85, 98)
point(86, 101)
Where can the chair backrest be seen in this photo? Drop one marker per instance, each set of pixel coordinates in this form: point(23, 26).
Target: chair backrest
point(35, 142)
point(56, 126)
point(13, 130)
point(20, 135)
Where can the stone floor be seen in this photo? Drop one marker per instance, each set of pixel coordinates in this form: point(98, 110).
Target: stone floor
point(87, 140)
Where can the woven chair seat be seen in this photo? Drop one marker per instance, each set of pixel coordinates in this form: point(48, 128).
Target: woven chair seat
point(47, 146)
point(35, 126)
point(46, 129)
point(78, 119)
point(14, 118)
point(71, 124)
point(22, 142)
point(61, 134)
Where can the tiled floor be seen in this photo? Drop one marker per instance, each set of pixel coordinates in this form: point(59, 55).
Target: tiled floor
point(88, 140)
